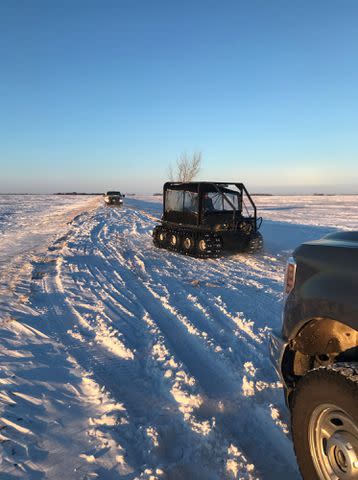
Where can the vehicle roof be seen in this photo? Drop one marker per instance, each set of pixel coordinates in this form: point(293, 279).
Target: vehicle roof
point(205, 186)
point(204, 183)
point(113, 192)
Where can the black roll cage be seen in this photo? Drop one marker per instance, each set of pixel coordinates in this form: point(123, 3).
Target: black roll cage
point(216, 186)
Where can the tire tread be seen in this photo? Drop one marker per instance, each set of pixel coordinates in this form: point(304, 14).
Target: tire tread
point(347, 371)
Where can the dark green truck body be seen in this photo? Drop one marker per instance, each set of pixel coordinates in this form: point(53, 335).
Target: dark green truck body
point(320, 317)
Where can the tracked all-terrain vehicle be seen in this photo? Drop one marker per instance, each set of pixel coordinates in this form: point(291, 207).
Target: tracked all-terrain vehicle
point(202, 219)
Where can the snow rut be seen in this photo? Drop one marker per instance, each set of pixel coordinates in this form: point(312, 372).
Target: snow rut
point(170, 337)
point(119, 360)
point(164, 359)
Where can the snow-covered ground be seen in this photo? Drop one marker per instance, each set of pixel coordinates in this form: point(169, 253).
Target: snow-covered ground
point(119, 360)
point(28, 223)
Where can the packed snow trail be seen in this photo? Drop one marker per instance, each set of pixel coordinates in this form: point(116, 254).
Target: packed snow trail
point(154, 365)
point(27, 224)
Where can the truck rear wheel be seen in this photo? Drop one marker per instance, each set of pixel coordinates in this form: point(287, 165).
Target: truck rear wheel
point(325, 423)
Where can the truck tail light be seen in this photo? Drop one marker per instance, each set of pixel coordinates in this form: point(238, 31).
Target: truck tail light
point(290, 275)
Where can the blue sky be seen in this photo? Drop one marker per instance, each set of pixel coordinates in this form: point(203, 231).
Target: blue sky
point(97, 95)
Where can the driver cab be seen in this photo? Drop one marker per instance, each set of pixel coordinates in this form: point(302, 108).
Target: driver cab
point(219, 206)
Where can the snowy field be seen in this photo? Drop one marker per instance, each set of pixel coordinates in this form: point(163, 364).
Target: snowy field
point(119, 360)
point(28, 223)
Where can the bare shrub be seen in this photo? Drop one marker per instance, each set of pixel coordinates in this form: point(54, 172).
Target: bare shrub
point(187, 168)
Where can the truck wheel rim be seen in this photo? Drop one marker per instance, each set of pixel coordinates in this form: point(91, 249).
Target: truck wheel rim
point(162, 236)
point(202, 245)
point(173, 240)
point(333, 441)
point(187, 243)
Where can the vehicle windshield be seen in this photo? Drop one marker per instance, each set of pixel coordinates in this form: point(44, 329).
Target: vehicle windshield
point(181, 201)
point(113, 193)
point(217, 202)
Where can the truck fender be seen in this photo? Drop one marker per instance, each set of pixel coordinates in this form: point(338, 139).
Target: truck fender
point(325, 336)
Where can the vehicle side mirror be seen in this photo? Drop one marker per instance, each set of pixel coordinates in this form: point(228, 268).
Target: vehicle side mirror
point(123, 195)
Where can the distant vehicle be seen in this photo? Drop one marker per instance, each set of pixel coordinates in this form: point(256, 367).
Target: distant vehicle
point(203, 218)
point(316, 355)
point(113, 198)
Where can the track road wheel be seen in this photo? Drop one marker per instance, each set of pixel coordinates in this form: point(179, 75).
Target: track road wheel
point(202, 245)
point(160, 237)
point(325, 423)
point(174, 241)
point(188, 244)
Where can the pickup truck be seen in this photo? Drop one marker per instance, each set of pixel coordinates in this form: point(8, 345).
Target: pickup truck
point(113, 198)
point(316, 355)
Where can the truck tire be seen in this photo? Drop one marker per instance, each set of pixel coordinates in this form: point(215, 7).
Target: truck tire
point(324, 423)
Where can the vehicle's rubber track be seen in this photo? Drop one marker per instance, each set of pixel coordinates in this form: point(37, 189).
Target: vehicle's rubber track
point(256, 243)
point(213, 242)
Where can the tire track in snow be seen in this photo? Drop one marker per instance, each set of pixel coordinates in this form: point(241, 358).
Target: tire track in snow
point(113, 252)
point(142, 386)
point(140, 398)
point(186, 402)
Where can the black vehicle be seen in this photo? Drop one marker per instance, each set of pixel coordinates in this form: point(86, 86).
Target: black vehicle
point(203, 218)
point(316, 355)
point(113, 198)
